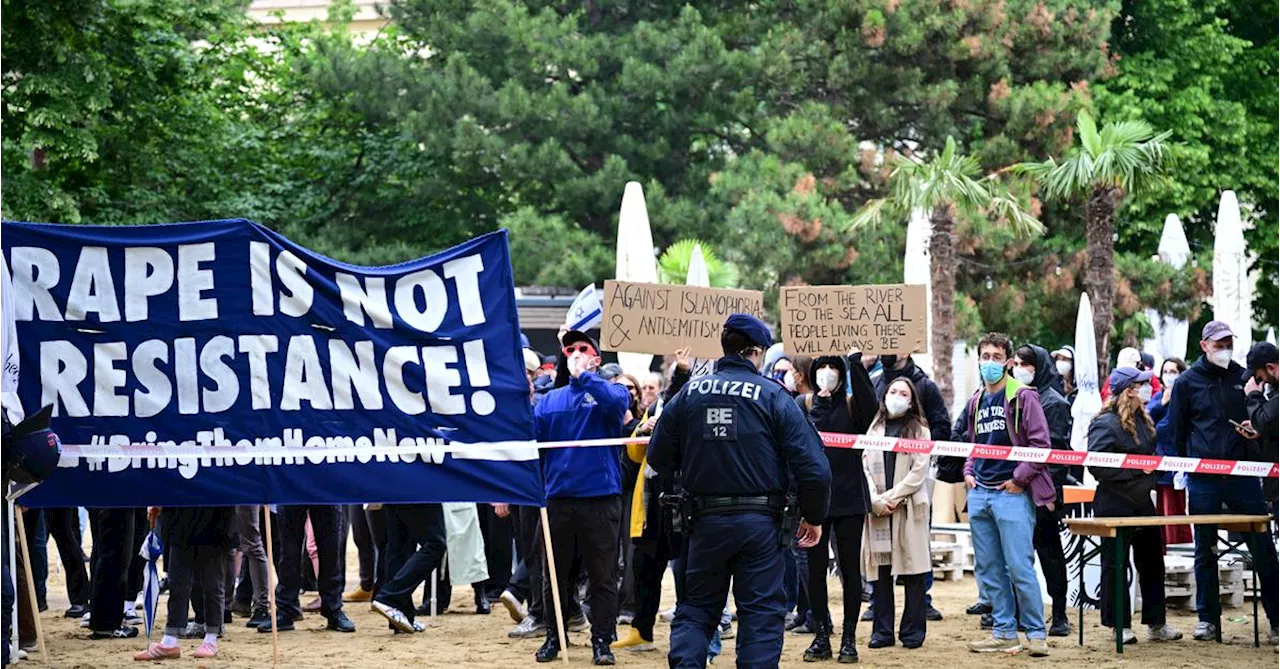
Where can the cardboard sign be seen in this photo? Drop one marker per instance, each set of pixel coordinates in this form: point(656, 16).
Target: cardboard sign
point(660, 318)
point(831, 320)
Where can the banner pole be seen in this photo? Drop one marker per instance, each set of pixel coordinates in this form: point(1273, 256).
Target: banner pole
point(435, 580)
point(550, 559)
point(31, 582)
point(271, 587)
point(10, 538)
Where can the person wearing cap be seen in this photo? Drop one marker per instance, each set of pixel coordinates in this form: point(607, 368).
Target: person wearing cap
point(1123, 426)
point(1207, 399)
point(734, 440)
point(1064, 362)
point(583, 488)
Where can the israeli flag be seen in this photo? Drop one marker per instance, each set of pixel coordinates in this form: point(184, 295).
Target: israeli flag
point(587, 311)
point(151, 552)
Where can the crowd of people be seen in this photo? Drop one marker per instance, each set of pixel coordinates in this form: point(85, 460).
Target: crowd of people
point(612, 540)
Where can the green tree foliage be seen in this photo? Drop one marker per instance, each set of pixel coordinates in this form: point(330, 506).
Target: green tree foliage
point(1206, 71)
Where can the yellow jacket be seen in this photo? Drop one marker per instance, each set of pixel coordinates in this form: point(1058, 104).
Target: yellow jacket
point(637, 453)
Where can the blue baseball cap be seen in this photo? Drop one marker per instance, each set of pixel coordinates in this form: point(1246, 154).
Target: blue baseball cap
point(752, 327)
point(1123, 377)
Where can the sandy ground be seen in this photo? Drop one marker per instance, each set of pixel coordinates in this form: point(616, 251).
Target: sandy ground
point(462, 639)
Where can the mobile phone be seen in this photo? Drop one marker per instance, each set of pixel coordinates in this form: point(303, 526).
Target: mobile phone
point(1242, 427)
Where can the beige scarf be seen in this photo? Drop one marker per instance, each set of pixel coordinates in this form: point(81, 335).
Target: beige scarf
point(879, 528)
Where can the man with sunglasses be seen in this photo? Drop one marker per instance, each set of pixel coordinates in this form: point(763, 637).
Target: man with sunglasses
point(584, 488)
point(734, 439)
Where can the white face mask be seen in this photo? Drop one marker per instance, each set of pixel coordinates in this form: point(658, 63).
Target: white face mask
point(828, 378)
point(1144, 393)
point(1168, 379)
point(789, 382)
point(1064, 367)
point(1221, 358)
point(896, 405)
point(1023, 375)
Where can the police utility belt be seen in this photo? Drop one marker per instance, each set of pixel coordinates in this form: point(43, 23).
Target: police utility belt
point(706, 505)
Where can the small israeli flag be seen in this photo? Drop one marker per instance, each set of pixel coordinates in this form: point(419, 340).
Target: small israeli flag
point(587, 311)
point(151, 552)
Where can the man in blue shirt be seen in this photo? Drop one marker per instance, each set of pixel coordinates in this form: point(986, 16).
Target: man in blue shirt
point(1003, 496)
point(584, 490)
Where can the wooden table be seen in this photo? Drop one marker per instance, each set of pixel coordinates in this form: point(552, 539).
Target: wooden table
point(1115, 527)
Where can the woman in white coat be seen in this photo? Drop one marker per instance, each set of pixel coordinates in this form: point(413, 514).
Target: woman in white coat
point(895, 540)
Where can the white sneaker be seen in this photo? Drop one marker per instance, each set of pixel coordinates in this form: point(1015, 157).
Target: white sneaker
point(395, 616)
point(84, 622)
point(1162, 633)
point(1204, 631)
point(1129, 637)
point(514, 608)
point(668, 615)
point(19, 654)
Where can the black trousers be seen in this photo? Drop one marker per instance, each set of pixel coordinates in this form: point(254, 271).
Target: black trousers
point(649, 561)
point(377, 521)
point(416, 545)
point(1147, 547)
point(912, 628)
point(626, 550)
point(187, 565)
point(498, 549)
point(1048, 543)
point(326, 522)
point(526, 582)
point(588, 528)
point(113, 549)
point(848, 531)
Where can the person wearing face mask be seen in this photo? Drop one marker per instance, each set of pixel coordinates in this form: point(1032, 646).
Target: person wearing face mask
point(1031, 366)
point(1064, 362)
point(1124, 427)
point(1207, 398)
point(583, 488)
point(832, 409)
point(1170, 501)
point(1003, 496)
point(895, 541)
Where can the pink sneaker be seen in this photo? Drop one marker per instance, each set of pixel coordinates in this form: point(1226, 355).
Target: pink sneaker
point(206, 650)
point(157, 652)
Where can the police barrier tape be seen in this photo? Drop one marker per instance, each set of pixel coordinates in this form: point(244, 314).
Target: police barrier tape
point(527, 450)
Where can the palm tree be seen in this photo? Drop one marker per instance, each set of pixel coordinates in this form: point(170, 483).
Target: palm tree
point(1108, 165)
point(673, 266)
point(944, 185)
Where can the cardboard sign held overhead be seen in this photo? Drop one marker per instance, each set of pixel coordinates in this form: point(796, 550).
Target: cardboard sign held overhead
point(822, 320)
point(660, 318)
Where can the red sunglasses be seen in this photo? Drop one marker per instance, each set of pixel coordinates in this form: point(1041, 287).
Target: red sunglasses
point(581, 348)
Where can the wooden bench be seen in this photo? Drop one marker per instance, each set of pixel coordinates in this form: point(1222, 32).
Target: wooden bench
point(1116, 527)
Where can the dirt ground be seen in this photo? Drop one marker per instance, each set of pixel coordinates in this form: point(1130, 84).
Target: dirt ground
point(462, 639)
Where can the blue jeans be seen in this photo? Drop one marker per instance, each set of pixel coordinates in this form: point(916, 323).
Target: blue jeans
point(1208, 493)
point(1003, 524)
point(744, 547)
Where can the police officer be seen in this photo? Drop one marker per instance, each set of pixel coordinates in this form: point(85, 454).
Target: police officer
point(734, 440)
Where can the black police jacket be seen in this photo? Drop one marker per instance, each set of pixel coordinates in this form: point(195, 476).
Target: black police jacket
point(735, 432)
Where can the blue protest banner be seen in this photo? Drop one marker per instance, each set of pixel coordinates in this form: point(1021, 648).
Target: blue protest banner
point(226, 336)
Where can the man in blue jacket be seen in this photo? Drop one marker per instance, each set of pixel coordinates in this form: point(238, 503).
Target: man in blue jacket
point(1206, 399)
point(584, 489)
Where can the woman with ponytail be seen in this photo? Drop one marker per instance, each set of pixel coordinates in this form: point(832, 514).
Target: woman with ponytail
point(1124, 427)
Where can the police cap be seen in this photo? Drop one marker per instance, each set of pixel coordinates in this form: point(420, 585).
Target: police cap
point(754, 329)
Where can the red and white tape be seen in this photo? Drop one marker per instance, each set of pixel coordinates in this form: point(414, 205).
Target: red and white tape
point(831, 440)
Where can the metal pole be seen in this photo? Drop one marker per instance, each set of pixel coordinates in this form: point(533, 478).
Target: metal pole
point(1121, 596)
